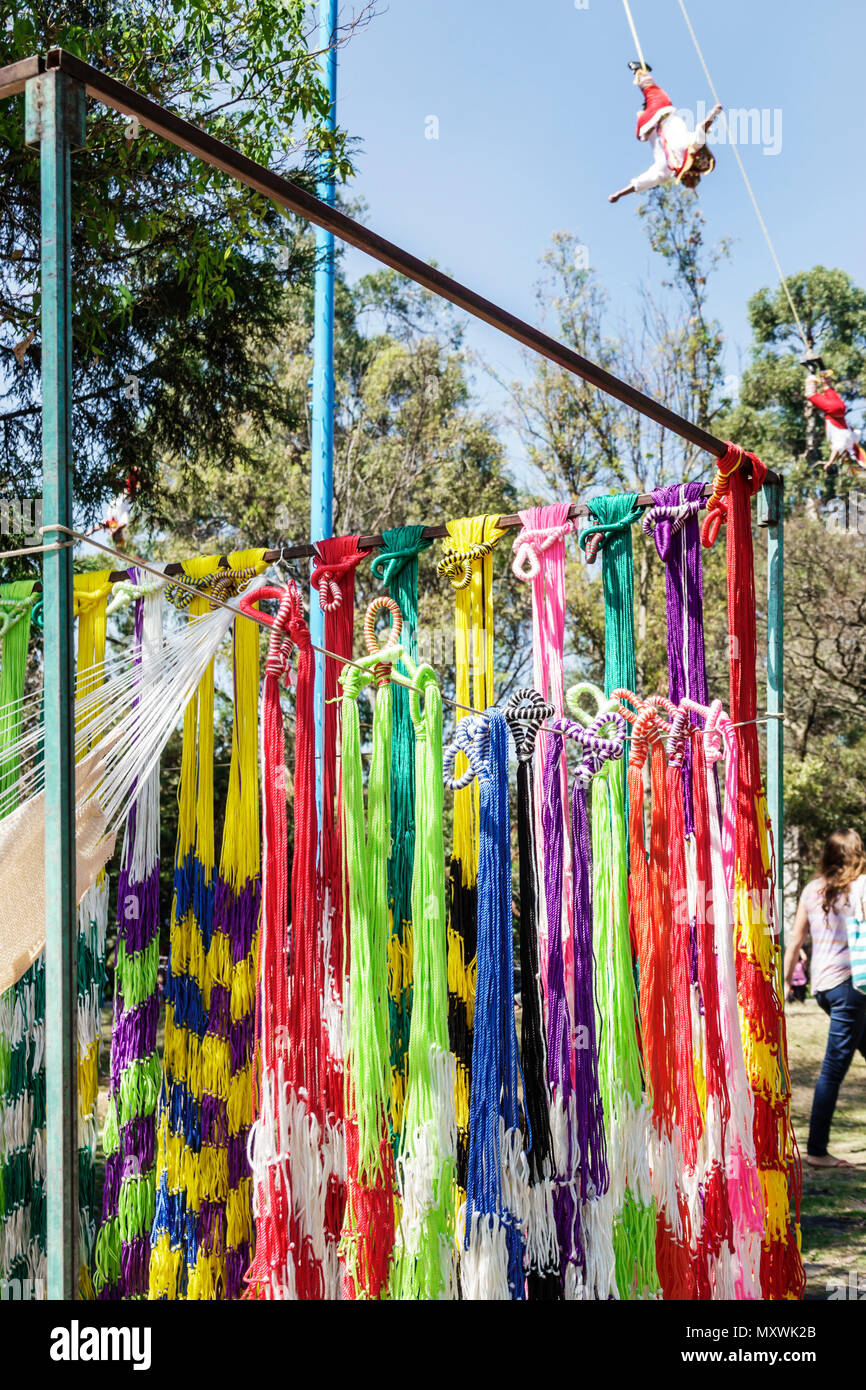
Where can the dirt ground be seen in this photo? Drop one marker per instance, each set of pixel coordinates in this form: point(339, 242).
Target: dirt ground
point(834, 1201)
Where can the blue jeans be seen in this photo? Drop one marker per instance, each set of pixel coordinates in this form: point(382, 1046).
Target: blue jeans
point(847, 1009)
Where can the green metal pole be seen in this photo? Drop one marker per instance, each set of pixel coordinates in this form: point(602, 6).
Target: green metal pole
point(771, 515)
point(55, 122)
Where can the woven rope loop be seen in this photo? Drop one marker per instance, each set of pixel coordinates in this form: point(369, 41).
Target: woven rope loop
point(470, 738)
point(531, 544)
point(592, 536)
point(12, 610)
point(525, 713)
point(456, 565)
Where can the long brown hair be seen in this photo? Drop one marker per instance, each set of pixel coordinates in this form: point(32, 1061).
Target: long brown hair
point(842, 860)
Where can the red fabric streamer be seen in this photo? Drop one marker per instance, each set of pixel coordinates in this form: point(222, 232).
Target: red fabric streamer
point(288, 1000)
point(759, 994)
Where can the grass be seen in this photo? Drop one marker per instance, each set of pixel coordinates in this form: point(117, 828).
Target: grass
point(834, 1200)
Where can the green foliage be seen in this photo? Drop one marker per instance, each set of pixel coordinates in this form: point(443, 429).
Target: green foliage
point(772, 410)
point(178, 273)
point(410, 446)
point(825, 549)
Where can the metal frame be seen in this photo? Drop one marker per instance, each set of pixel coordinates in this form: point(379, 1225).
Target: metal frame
point(55, 85)
point(54, 121)
point(322, 413)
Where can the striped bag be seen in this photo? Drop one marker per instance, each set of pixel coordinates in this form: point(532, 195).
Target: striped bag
point(856, 925)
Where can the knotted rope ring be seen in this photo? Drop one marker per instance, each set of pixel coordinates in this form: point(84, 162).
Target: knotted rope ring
point(470, 738)
point(330, 594)
point(382, 603)
point(456, 565)
point(525, 713)
point(281, 643)
point(181, 597)
point(531, 545)
point(595, 749)
point(676, 513)
point(229, 583)
point(712, 736)
point(12, 610)
point(678, 737)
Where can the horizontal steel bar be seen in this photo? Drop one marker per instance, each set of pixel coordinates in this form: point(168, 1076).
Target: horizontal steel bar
point(15, 76)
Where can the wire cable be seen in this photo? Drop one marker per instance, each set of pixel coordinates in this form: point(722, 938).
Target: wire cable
point(751, 192)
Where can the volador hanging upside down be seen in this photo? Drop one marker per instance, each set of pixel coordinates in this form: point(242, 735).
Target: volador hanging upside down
point(679, 154)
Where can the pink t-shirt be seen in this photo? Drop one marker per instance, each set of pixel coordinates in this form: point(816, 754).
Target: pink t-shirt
point(831, 959)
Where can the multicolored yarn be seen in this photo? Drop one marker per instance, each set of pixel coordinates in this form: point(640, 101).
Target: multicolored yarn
point(22, 1011)
point(467, 564)
point(758, 955)
point(524, 714)
point(497, 1180)
point(290, 1150)
point(368, 1224)
point(396, 567)
point(333, 578)
point(225, 1224)
point(425, 1253)
point(176, 1226)
point(122, 1250)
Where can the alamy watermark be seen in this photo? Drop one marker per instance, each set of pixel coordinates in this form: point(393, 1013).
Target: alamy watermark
point(20, 516)
point(846, 514)
point(851, 1288)
point(739, 125)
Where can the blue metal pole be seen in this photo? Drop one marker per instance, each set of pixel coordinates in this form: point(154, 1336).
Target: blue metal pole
point(322, 442)
point(55, 123)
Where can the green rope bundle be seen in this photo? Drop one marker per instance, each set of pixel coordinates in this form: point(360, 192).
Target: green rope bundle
point(368, 1228)
point(396, 566)
point(614, 518)
point(425, 1251)
point(620, 1070)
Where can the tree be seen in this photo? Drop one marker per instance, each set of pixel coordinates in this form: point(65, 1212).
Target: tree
point(772, 410)
point(410, 446)
point(582, 441)
point(178, 273)
point(825, 574)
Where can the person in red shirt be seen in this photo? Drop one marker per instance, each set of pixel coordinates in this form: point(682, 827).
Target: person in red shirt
point(844, 442)
point(678, 153)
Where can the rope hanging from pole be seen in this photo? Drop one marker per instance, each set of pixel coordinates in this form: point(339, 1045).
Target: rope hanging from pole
point(806, 344)
point(631, 26)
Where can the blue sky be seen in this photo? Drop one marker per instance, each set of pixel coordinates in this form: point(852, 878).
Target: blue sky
point(536, 112)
